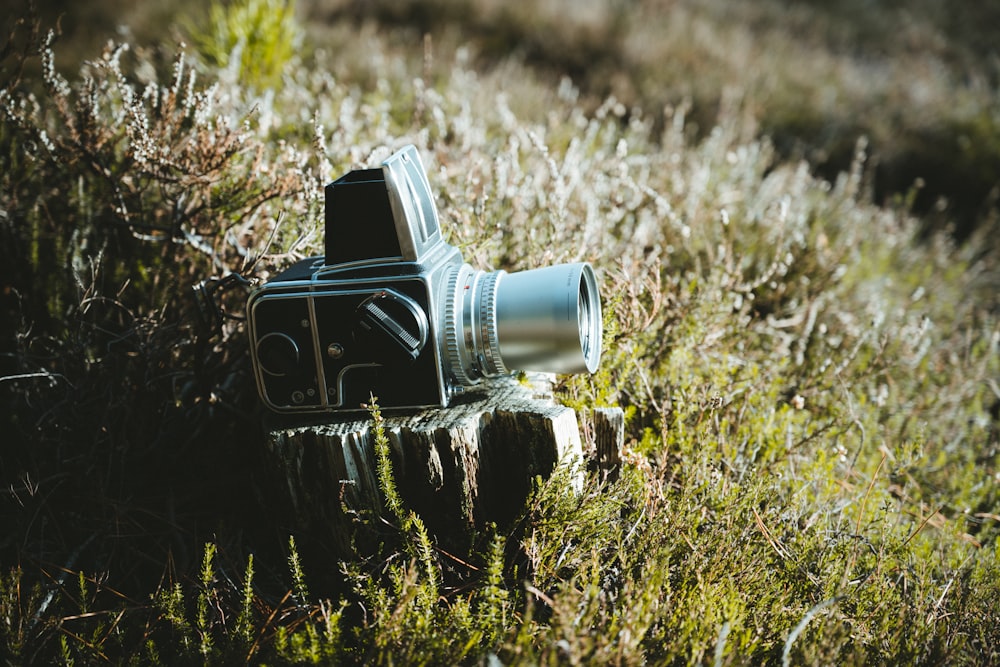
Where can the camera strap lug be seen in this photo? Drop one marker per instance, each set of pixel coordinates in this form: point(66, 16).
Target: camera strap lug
point(210, 313)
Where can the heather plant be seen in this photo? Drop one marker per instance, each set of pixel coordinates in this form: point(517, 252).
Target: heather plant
point(810, 381)
point(121, 194)
point(918, 78)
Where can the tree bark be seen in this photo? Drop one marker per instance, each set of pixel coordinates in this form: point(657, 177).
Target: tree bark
point(609, 437)
point(459, 468)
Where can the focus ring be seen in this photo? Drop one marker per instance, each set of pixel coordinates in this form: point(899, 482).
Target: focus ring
point(453, 328)
point(492, 361)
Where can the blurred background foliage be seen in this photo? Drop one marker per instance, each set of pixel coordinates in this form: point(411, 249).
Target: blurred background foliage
point(917, 77)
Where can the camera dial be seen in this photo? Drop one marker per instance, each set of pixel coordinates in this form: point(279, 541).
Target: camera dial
point(277, 354)
point(392, 325)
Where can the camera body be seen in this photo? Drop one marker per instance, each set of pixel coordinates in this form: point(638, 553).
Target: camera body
point(393, 310)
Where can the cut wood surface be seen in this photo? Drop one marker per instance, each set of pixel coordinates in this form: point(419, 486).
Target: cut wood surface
point(458, 468)
point(609, 437)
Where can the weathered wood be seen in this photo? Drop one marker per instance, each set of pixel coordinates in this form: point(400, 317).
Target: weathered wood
point(458, 468)
point(609, 437)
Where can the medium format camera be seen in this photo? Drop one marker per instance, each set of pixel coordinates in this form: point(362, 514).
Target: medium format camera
point(393, 310)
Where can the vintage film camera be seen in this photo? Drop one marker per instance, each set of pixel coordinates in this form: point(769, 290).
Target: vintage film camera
point(392, 310)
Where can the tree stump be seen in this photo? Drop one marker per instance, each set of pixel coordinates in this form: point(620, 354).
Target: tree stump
point(609, 438)
point(459, 468)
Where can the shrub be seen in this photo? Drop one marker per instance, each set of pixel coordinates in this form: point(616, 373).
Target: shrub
point(119, 196)
point(810, 383)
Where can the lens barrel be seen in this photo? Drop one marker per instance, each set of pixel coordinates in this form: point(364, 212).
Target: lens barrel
point(546, 319)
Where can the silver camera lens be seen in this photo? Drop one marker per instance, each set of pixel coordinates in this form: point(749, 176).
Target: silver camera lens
point(546, 319)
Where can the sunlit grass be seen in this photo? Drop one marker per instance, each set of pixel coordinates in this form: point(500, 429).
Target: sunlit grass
point(810, 381)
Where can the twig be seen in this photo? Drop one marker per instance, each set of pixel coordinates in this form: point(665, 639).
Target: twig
point(267, 624)
point(861, 515)
point(59, 582)
point(797, 630)
point(921, 526)
point(720, 643)
point(42, 374)
point(767, 535)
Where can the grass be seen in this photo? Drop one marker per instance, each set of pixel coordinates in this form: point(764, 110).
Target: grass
point(809, 375)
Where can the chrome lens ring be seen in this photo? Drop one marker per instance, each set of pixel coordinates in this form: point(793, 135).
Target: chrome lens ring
point(590, 318)
point(459, 362)
point(489, 349)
